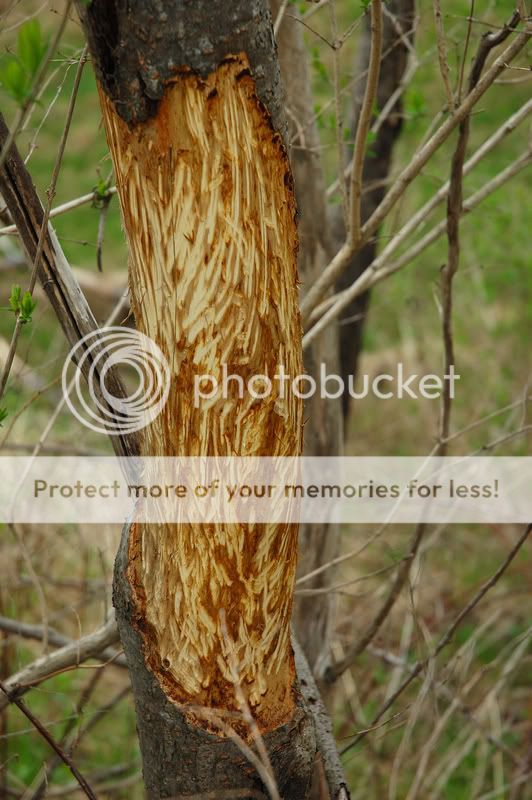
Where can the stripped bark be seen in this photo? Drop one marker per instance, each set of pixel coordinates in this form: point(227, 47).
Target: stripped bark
point(397, 31)
point(191, 102)
point(318, 542)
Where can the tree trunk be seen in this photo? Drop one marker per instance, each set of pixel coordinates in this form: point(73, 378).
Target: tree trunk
point(318, 542)
point(397, 31)
point(190, 96)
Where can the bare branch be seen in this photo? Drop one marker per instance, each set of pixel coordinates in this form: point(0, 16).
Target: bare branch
point(64, 208)
point(419, 666)
point(42, 234)
point(354, 237)
point(442, 54)
point(70, 655)
point(373, 276)
point(12, 698)
point(421, 215)
point(335, 670)
point(341, 260)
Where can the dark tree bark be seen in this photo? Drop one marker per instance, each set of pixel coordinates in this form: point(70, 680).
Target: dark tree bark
point(190, 94)
point(397, 30)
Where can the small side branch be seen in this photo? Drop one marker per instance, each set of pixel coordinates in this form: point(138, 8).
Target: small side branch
point(324, 736)
point(442, 54)
point(364, 122)
point(84, 786)
point(454, 212)
point(70, 655)
point(336, 670)
point(419, 666)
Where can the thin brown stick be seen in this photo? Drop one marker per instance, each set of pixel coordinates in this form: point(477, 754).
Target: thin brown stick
point(44, 227)
point(12, 698)
point(419, 666)
point(71, 655)
point(466, 48)
point(454, 213)
point(442, 54)
point(342, 259)
point(363, 126)
point(339, 117)
point(72, 735)
point(28, 101)
point(334, 671)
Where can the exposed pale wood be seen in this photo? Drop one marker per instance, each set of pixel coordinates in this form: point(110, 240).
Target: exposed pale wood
point(208, 208)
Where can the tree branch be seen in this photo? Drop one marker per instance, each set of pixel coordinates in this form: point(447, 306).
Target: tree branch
point(419, 666)
point(364, 122)
point(12, 698)
point(70, 655)
point(340, 262)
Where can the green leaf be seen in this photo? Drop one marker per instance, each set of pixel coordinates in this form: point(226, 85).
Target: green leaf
point(27, 307)
point(370, 151)
point(318, 65)
point(3, 415)
point(15, 298)
point(31, 46)
point(23, 305)
point(14, 79)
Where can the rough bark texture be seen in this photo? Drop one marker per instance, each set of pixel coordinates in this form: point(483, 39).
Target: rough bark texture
point(179, 757)
point(138, 47)
point(318, 543)
point(191, 104)
point(398, 24)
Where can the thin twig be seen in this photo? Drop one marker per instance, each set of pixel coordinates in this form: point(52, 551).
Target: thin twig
point(372, 276)
point(419, 666)
point(334, 671)
point(442, 54)
point(28, 101)
point(64, 208)
point(12, 698)
point(279, 18)
point(339, 120)
point(342, 259)
point(44, 228)
point(71, 655)
point(363, 126)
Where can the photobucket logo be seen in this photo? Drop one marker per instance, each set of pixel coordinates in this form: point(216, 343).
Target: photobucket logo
point(384, 386)
point(90, 399)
